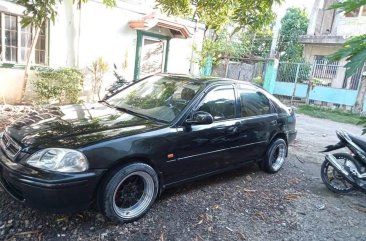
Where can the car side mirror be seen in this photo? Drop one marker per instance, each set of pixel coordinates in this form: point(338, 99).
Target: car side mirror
point(200, 118)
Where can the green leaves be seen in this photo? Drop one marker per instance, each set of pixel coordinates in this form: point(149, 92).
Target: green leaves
point(348, 5)
point(293, 24)
point(63, 85)
point(355, 62)
point(354, 51)
point(239, 45)
point(177, 8)
point(254, 14)
point(217, 13)
point(38, 11)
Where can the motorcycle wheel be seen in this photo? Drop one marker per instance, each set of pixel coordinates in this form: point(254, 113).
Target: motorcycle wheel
point(332, 178)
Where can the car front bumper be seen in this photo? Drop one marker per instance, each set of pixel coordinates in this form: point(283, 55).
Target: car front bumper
point(55, 192)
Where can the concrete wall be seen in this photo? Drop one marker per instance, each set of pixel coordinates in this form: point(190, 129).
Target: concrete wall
point(324, 21)
point(318, 93)
point(310, 50)
point(327, 32)
point(321, 19)
point(239, 71)
point(11, 83)
point(351, 26)
point(104, 32)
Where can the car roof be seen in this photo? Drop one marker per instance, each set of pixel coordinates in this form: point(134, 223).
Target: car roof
point(209, 80)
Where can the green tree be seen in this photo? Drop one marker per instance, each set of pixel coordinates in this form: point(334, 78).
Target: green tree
point(293, 24)
point(248, 14)
point(353, 50)
point(216, 14)
point(36, 13)
point(242, 44)
point(256, 43)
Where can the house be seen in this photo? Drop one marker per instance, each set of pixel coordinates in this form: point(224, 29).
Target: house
point(328, 29)
point(133, 35)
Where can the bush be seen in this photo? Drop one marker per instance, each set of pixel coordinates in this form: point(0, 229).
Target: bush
point(97, 70)
point(287, 72)
point(258, 80)
point(63, 85)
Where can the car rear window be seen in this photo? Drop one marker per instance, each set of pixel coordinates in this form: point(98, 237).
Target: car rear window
point(253, 103)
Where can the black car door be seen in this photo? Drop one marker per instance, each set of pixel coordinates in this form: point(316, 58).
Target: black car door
point(199, 149)
point(259, 121)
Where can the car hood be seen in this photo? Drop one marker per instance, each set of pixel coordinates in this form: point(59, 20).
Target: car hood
point(74, 126)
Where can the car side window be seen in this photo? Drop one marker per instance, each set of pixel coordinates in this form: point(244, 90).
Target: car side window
point(220, 103)
point(253, 103)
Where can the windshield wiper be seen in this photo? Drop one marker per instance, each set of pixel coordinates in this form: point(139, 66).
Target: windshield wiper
point(140, 115)
point(133, 113)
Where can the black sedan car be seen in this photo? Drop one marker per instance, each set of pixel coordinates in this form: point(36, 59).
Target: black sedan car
point(156, 133)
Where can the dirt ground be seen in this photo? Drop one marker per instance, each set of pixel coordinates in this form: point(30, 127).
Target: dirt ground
point(244, 204)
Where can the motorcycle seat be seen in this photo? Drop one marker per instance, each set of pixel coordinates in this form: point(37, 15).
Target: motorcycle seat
point(359, 140)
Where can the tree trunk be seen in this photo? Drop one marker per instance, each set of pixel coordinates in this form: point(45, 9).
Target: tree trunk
point(227, 60)
point(71, 15)
point(360, 97)
point(29, 58)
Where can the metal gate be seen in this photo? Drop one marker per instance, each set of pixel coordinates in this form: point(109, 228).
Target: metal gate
point(319, 81)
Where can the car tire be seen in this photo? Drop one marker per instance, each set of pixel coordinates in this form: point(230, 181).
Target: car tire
point(275, 156)
point(128, 192)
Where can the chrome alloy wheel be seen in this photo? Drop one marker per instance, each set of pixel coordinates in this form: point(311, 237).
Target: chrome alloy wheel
point(133, 195)
point(278, 157)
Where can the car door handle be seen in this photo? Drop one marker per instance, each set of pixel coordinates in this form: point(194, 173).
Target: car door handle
point(274, 122)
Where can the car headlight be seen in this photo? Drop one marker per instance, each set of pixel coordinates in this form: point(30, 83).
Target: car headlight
point(59, 160)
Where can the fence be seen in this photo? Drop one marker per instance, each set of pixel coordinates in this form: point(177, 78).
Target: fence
point(240, 70)
point(320, 83)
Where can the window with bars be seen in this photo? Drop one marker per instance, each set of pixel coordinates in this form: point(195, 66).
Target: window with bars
point(324, 69)
point(352, 82)
point(15, 41)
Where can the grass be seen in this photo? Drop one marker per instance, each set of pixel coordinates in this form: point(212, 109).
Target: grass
point(334, 115)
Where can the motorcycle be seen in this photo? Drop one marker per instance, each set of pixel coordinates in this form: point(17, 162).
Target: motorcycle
point(345, 172)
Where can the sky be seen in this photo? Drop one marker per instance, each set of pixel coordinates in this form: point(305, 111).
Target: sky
point(280, 10)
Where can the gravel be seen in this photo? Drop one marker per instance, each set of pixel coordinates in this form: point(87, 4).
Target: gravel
point(244, 204)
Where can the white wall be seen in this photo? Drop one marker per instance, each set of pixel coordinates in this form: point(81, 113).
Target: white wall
point(104, 32)
point(351, 26)
point(79, 37)
point(11, 84)
point(180, 56)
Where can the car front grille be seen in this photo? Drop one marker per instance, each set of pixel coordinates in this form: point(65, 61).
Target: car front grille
point(9, 146)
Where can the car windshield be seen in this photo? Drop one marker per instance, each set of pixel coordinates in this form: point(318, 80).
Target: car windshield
point(158, 97)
